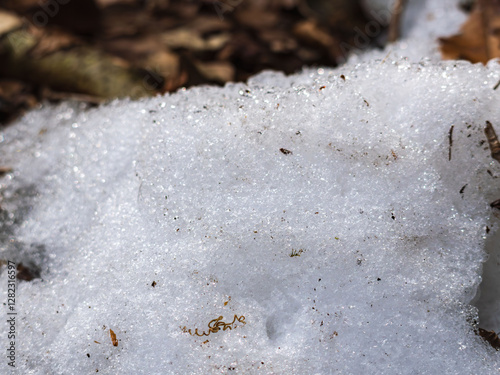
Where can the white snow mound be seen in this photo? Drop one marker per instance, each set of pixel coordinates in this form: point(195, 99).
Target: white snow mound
point(329, 209)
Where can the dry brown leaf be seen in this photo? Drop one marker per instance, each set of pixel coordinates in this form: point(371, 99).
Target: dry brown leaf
point(279, 41)
point(257, 19)
point(27, 273)
point(479, 38)
point(4, 170)
point(164, 63)
point(311, 33)
point(491, 337)
point(52, 40)
point(208, 24)
point(131, 48)
point(172, 84)
point(191, 40)
point(184, 9)
point(218, 71)
point(113, 337)
point(8, 21)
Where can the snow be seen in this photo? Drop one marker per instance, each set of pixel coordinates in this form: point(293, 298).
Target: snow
point(325, 210)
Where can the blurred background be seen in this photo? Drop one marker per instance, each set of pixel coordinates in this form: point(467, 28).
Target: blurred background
point(96, 50)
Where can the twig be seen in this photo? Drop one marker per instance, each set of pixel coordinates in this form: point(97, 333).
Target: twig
point(483, 8)
point(493, 141)
point(495, 204)
point(386, 56)
point(5, 170)
point(395, 25)
point(450, 140)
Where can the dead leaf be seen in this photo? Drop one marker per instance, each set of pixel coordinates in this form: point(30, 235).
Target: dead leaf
point(191, 40)
point(311, 33)
point(5, 170)
point(316, 36)
point(257, 19)
point(218, 71)
point(8, 22)
point(479, 38)
point(185, 9)
point(164, 63)
point(172, 84)
point(491, 337)
point(279, 41)
point(113, 337)
point(27, 273)
point(208, 24)
point(52, 40)
point(495, 204)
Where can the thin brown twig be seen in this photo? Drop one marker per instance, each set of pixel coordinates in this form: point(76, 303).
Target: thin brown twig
point(450, 141)
point(493, 141)
point(4, 170)
point(483, 5)
point(395, 25)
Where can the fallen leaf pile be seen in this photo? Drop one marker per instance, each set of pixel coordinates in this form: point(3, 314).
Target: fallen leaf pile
point(94, 50)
